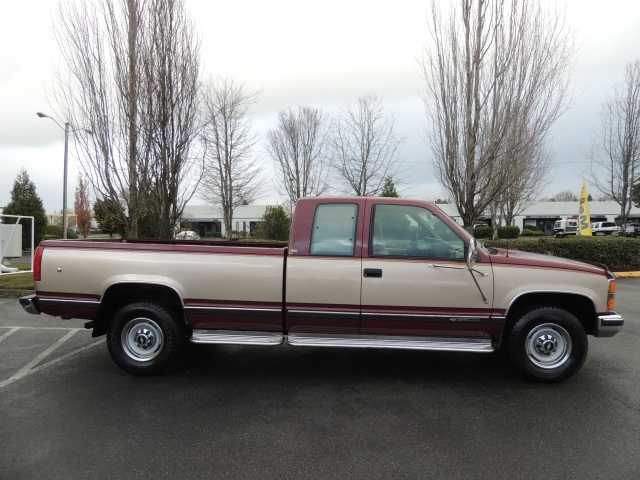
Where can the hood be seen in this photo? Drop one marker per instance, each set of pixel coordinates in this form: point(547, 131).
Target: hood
point(518, 257)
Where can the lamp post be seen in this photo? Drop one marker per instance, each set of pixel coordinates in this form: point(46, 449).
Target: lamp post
point(66, 128)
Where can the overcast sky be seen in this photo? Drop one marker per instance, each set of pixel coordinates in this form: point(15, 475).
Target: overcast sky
point(319, 54)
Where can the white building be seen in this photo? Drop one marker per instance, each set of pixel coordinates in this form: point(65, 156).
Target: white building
point(208, 221)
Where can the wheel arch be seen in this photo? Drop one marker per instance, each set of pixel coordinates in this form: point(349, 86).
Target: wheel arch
point(580, 305)
point(118, 295)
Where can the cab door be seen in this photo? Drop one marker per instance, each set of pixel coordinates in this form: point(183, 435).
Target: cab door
point(323, 278)
point(414, 277)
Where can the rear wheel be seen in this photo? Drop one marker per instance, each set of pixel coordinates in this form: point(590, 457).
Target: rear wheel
point(144, 338)
point(548, 344)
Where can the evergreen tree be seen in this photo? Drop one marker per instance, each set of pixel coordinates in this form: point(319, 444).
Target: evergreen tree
point(389, 188)
point(82, 208)
point(26, 202)
point(275, 224)
point(109, 216)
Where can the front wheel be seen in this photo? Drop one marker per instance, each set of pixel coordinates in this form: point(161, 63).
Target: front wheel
point(548, 344)
point(144, 338)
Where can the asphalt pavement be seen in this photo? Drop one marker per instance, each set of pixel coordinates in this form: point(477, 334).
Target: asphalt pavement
point(67, 411)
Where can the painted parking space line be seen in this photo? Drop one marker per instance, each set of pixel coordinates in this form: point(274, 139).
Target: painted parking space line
point(33, 366)
point(40, 328)
point(52, 362)
point(24, 370)
point(10, 332)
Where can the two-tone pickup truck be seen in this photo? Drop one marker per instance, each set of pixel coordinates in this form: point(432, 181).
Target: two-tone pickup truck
point(356, 272)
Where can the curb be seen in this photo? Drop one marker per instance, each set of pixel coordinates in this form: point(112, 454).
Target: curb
point(8, 293)
point(627, 274)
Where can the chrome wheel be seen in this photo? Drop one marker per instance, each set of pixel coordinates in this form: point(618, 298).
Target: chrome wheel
point(142, 339)
point(548, 346)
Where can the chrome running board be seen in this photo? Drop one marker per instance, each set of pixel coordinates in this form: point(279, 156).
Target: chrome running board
point(230, 337)
point(405, 343)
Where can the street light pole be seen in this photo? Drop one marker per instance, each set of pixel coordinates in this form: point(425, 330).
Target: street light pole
point(67, 127)
point(64, 181)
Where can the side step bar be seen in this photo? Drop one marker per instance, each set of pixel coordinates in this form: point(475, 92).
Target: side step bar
point(230, 337)
point(327, 340)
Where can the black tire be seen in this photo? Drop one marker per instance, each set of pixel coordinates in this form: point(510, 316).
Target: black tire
point(144, 338)
point(547, 344)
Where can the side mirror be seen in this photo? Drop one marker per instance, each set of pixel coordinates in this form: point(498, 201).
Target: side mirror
point(472, 253)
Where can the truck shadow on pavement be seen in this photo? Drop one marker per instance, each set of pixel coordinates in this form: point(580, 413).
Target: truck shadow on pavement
point(281, 363)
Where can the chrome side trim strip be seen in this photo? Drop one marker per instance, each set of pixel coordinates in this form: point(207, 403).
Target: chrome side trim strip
point(233, 311)
point(497, 320)
point(322, 314)
point(231, 337)
point(415, 317)
point(69, 303)
point(398, 342)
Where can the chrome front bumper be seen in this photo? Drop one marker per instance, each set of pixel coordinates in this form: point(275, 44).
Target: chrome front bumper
point(29, 305)
point(609, 324)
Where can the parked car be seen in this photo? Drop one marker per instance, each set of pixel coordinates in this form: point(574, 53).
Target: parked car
point(632, 230)
point(604, 228)
point(187, 235)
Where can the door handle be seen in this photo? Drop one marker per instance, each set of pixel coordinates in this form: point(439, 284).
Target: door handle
point(373, 272)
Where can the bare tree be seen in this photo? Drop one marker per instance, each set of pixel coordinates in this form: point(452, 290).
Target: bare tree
point(616, 152)
point(82, 207)
point(564, 196)
point(169, 105)
point(496, 78)
point(365, 147)
point(297, 145)
point(528, 178)
point(124, 67)
point(231, 169)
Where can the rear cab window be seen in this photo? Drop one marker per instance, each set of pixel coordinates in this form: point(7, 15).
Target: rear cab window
point(334, 230)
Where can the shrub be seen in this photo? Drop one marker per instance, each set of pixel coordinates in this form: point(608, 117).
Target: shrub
point(54, 232)
point(615, 252)
point(483, 232)
point(275, 224)
point(508, 231)
point(527, 232)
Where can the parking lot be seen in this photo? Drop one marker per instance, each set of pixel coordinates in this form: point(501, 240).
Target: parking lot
point(67, 411)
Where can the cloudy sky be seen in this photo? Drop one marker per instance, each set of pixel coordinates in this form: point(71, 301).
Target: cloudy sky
point(319, 54)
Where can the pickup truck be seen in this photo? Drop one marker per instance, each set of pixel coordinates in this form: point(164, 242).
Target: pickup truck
point(604, 228)
point(356, 272)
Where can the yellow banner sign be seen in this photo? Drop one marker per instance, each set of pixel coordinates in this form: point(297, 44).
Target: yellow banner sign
point(584, 219)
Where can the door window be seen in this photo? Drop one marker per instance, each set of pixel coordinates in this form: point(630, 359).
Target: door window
point(410, 231)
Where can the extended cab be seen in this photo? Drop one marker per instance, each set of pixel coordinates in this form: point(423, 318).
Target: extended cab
point(357, 272)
